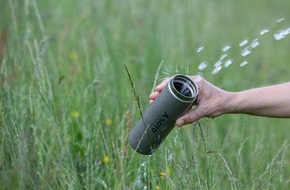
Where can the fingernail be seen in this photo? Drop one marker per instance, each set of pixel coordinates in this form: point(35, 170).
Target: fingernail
point(157, 87)
point(179, 122)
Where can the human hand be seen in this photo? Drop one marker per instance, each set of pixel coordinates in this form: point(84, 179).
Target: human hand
point(211, 101)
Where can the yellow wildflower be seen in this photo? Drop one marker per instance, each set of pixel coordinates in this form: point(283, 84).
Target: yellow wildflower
point(73, 56)
point(75, 114)
point(68, 138)
point(166, 173)
point(162, 174)
point(109, 122)
point(106, 159)
point(157, 187)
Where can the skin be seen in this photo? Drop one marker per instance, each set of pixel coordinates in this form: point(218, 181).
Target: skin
point(270, 101)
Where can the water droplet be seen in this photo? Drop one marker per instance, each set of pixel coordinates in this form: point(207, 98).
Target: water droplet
point(244, 63)
point(243, 42)
point(218, 63)
point(202, 66)
point(199, 49)
point(280, 20)
point(255, 43)
point(264, 31)
point(246, 51)
point(223, 56)
point(216, 70)
point(175, 139)
point(228, 62)
point(170, 157)
point(226, 48)
point(281, 34)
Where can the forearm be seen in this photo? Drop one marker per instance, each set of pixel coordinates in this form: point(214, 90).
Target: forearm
point(271, 101)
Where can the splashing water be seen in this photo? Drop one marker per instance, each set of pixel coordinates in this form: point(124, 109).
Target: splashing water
point(216, 70)
point(228, 62)
point(281, 34)
point(244, 63)
point(255, 43)
point(280, 20)
point(141, 175)
point(223, 56)
point(247, 47)
point(202, 66)
point(264, 31)
point(199, 49)
point(246, 51)
point(218, 63)
point(175, 139)
point(243, 42)
point(226, 48)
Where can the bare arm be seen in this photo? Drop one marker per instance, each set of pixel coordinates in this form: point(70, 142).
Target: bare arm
point(271, 101)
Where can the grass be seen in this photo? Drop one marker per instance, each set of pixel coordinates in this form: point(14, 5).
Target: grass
point(67, 105)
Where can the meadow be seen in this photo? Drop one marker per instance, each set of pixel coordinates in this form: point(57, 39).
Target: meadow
point(67, 105)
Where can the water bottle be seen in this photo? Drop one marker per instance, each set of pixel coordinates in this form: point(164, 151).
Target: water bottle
point(176, 98)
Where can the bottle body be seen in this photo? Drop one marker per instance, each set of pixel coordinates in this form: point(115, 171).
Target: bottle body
point(159, 119)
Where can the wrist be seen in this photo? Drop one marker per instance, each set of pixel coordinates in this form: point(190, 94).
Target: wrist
point(229, 103)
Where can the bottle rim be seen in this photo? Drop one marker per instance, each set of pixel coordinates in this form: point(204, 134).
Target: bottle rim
point(180, 83)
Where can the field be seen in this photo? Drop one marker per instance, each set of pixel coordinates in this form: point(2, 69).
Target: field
point(67, 104)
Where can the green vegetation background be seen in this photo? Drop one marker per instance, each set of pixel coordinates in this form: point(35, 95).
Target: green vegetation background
point(67, 105)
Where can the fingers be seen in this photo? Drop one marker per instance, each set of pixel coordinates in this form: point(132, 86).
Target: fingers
point(157, 91)
point(190, 117)
point(159, 87)
point(162, 84)
point(153, 96)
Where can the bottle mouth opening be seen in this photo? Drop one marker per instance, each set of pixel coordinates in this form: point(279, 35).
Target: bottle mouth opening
point(184, 88)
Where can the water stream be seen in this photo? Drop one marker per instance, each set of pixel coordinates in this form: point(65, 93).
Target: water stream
point(247, 47)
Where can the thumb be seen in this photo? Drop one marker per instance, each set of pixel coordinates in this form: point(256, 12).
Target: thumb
point(190, 117)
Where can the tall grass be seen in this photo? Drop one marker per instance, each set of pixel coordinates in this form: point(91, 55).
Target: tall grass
point(67, 105)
